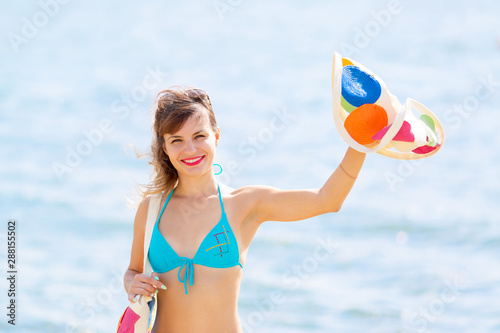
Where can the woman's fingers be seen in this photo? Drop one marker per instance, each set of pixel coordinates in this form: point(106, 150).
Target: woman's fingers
point(133, 297)
point(143, 285)
point(144, 290)
point(156, 281)
point(150, 285)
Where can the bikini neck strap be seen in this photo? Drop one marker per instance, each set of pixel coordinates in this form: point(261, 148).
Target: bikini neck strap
point(220, 199)
point(165, 204)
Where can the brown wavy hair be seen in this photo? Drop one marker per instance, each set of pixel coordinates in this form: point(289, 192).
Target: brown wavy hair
point(172, 109)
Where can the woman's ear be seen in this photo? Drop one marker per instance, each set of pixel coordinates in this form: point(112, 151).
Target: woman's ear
point(217, 135)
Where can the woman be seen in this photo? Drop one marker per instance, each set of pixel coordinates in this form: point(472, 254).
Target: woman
point(200, 242)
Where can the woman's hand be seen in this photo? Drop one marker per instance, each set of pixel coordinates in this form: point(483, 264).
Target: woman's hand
point(144, 285)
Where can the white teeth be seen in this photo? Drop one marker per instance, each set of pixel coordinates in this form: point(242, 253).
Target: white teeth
point(193, 160)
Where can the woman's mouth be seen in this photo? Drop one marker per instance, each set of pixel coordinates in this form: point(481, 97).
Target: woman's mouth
point(193, 161)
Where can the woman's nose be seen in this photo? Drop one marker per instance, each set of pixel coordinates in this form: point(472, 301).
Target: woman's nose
point(190, 147)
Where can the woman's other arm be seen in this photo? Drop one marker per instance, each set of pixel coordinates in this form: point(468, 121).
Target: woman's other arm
point(134, 281)
point(272, 204)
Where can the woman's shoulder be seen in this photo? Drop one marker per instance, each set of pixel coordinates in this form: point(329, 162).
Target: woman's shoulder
point(145, 202)
point(142, 212)
point(247, 192)
point(141, 216)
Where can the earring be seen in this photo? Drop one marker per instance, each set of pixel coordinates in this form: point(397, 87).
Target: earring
point(218, 173)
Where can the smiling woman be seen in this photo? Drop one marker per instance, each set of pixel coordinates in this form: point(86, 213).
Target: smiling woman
point(195, 137)
point(175, 107)
point(204, 229)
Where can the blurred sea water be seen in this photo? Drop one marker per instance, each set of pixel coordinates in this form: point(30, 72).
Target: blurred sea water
point(415, 247)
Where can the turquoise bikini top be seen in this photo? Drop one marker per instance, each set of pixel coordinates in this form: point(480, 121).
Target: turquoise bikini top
point(219, 249)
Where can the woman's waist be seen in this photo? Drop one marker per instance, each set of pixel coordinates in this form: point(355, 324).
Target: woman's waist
point(206, 291)
point(196, 323)
point(201, 310)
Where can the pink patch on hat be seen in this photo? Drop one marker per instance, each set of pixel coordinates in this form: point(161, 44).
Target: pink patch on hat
point(127, 321)
point(424, 149)
point(404, 134)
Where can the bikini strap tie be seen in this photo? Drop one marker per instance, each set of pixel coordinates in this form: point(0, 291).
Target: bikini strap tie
point(187, 263)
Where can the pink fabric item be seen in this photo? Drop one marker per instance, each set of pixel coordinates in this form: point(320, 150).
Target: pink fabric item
point(424, 149)
point(404, 134)
point(127, 322)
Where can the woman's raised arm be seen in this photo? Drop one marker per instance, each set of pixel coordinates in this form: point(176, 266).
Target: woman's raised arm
point(272, 204)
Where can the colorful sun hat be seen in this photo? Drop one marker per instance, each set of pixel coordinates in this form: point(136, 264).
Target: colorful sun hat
point(370, 119)
point(139, 317)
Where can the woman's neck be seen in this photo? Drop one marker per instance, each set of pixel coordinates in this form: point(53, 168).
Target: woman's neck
point(195, 187)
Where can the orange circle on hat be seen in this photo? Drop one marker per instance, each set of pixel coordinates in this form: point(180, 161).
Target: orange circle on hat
point(364, 122)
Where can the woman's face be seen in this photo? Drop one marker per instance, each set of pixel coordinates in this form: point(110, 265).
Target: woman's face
point(192, 148)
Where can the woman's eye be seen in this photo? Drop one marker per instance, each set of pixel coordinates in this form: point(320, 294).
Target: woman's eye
point(199, 136)
point(175, 140)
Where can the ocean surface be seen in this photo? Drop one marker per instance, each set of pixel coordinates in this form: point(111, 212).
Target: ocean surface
point(416, 246)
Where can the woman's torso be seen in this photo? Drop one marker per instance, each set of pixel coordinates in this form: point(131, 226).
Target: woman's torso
point(210, 303)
